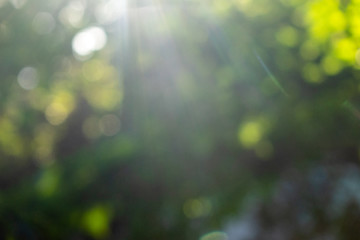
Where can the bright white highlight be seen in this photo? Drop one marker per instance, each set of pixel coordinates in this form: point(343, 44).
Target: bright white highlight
point(89, 40)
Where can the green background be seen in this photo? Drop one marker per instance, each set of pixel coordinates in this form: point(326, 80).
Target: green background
point(167, 119)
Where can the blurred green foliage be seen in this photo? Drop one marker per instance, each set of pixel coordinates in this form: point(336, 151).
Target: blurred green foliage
point(149, 119)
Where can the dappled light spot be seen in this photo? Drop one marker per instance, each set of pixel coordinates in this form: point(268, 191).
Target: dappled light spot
point(317, 17)
point(331, 65)
point(96, 221)
point(28, 78)
point(93, 70)
point(89, 40)
point(312, 73)
point(320, 31)
point(321, 10)
point(264, 150)
point(105, 98)
point(337, 20)
point(56, 113)
point(107, 94)
point(43, 23)
point(73, 13)
point(199, 207)
point(60, 107)
point(250, 133)
point(91, 128)
point(345, 49)
point(215, 236)
point(287, 36)
point(109, 125)
point(355, 23)
point(48, 182)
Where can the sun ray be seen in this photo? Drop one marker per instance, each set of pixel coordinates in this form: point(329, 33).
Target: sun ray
point(269, 73)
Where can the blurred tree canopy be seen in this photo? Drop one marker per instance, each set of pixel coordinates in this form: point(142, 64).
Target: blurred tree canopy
point(149, 119)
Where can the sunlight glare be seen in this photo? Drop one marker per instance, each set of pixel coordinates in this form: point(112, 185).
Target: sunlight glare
point(89, 40)
point(110, 11)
